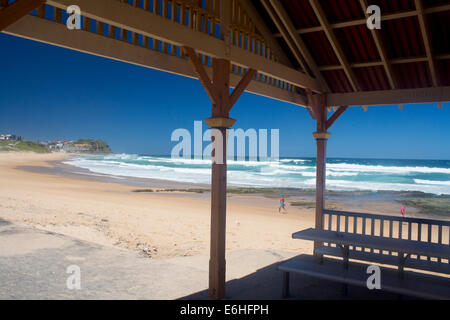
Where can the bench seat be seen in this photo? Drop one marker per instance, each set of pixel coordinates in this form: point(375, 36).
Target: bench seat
point(427, 265)
point(412, 284)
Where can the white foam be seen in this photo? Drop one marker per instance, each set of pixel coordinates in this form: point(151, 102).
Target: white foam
point(432, 182)
point(384, 169)
point(264, 174)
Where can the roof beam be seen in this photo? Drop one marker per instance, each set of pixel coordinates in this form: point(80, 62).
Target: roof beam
point(380, 63)
point(315, 4)
point(426, 41)
point(383, 55)
point(298, 41)
point(150, 25)
point(285, 35)
point(265, 32)
point(43, 30)
point(17, 10)
point(389, 97)
point(384, 17)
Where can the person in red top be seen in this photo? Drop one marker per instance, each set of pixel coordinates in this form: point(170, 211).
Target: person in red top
point(402, 211)
point(282, 204)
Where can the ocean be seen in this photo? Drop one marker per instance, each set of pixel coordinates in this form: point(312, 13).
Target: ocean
point(429, 176)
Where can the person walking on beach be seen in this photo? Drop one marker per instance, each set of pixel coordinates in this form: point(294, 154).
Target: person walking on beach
point(282, 204)
point(402, 211)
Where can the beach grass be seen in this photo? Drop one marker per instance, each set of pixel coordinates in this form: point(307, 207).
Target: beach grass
point(21, 146)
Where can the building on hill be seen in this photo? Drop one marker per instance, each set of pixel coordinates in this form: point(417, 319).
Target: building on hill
point(10, 137)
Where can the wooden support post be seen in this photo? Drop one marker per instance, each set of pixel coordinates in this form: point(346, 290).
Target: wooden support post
point(220, 111)
point(219, 92)
point(217, 264)
point(319, 108)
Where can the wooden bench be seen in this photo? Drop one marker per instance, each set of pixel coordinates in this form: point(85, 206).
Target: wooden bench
point(404, 248)
point(390, 227)
point(402, 242)
point(411, 284)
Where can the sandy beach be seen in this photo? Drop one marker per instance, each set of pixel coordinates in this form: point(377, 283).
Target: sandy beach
point(163, 225)
point(53, 214)
point(41, 191)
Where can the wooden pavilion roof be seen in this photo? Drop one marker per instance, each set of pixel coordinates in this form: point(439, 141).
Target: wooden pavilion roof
point(294, 45)
point(411, 50)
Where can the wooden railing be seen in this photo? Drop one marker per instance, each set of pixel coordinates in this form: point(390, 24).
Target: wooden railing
point(424, 230)
point(199, 15)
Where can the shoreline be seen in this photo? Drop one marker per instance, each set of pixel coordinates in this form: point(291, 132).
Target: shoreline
point(340, 200)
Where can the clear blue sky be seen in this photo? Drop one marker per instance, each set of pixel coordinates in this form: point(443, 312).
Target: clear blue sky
point(49, 93)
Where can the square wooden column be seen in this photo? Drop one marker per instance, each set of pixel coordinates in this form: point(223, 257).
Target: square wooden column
point(321, 135)
point(218, 90)
point(321, 159)
point(318, 109)
point(219, 122)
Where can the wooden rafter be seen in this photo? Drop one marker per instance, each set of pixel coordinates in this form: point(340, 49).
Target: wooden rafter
point(298, 41)
point(285, 34)
point(426, 41)
point(384, 17)
point(335, 116)
point(17, 10)
point(382, 52)
point(334, 43)
point(380, 63)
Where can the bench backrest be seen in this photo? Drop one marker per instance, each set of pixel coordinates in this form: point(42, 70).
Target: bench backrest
point(425, 230)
